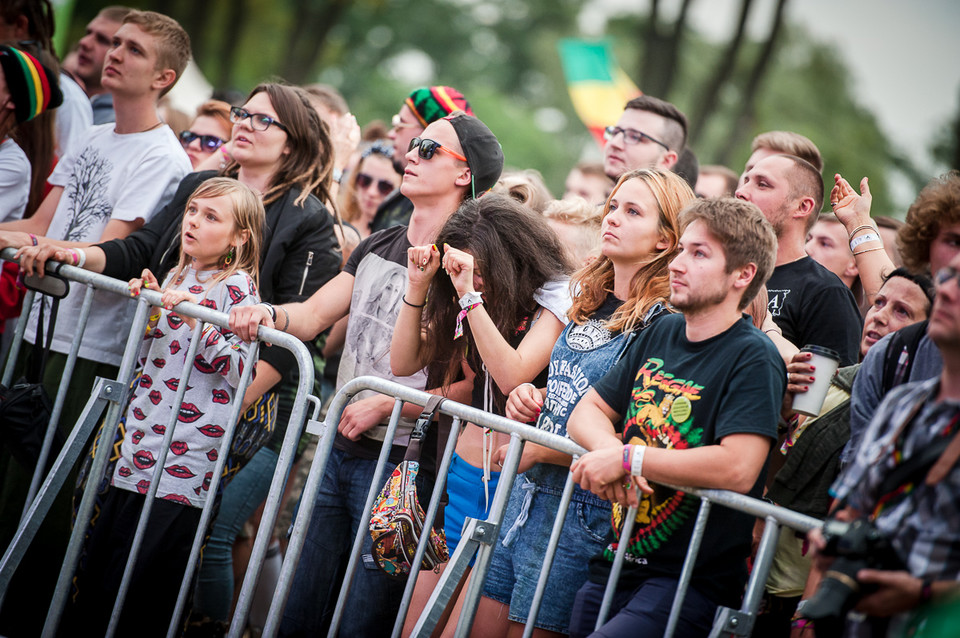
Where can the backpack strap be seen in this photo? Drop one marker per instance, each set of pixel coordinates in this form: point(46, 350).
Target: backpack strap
point(900, 355)
point(421, 427)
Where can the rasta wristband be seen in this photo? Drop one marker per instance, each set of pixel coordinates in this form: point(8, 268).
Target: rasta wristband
point(627, 455)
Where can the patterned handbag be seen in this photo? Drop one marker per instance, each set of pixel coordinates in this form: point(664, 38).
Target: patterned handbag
point(396, 524)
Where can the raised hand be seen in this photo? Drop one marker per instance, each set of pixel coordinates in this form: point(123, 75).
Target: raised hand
point(460, 267)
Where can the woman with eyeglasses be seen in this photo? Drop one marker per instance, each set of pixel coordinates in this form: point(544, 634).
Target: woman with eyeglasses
point(374, 178)
point(208, 131)
point(279, 149)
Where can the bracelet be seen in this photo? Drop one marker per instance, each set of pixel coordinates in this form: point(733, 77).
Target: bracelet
point(867, 250)
point(926, 590)
point(81, 257)
point(776, 330)
point(627, 454)
point(286, 317)
point(863, 239)
point(413, 305)
point(273, 311)
point(863, 227)
point(802, 623)
point(33, 238)
point(458, 331)
point(636, 460)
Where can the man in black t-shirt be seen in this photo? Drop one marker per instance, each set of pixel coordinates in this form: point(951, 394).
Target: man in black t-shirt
point(809, 303)
point(694, 401)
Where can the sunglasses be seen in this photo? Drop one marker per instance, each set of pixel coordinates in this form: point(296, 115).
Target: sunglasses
point(426, 149)
point(209, 143)
point(259, 121)
point(384, 187)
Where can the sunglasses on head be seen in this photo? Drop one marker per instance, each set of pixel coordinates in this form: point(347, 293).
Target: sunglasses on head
point(384, 187)
point(426, 149)
point(208, 143)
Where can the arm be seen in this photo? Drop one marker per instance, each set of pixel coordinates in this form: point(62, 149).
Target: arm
point(307, 319)
point(422, 264)
point(853, 210)
point(16, 234)
point(265, 378)
point(509, 367)
point(775, 334)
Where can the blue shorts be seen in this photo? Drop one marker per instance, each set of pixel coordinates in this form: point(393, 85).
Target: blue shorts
point(521, 547)
point(466, 498)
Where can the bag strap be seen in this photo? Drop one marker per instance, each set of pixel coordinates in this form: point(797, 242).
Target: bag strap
point(900, 353)
point(43, 341)
point(421, 427)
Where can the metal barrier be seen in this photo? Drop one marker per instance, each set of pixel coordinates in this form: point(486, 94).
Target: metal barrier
point(113, 396)
point(479, 537)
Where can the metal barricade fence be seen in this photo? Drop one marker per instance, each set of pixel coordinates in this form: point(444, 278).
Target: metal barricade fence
point(479, 537)
point(112, 396)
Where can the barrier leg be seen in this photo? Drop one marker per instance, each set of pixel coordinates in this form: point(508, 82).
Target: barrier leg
point(728, 621)
point(615, 569)
point(686, 573)
point(18, 338)
point(73, 448)
point(548, 558)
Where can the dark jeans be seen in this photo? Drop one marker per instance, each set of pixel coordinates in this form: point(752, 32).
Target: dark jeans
point(641, 612)
point(374, 597)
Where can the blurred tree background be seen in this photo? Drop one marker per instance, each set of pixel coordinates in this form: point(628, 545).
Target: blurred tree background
point(503, 55)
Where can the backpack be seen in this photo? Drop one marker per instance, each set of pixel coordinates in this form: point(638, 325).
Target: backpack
point(900, 354)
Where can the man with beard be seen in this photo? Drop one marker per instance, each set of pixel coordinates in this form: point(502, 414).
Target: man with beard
point(809, 303)
point(694, 401)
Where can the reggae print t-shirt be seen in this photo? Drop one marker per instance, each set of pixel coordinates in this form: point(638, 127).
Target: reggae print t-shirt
point(677, 394)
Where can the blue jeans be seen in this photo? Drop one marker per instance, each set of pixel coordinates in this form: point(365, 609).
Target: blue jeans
point(241, 498)
point(642, 611)
point(374, 597)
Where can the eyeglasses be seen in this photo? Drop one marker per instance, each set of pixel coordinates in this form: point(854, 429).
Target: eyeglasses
point(396, 122)
point(630, 136)
point(946, 274)
point(426, 149)
point(209, 143)
point(384, 187)
point(259, 121)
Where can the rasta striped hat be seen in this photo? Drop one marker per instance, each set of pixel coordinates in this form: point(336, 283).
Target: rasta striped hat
point(33, 87)
point(430, 103)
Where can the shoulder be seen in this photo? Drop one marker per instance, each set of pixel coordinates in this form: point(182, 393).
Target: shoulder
point(390, 243)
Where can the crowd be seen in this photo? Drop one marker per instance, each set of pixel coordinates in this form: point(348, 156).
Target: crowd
point(662, 314)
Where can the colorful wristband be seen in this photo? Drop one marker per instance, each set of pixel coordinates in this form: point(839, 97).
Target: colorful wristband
point(33, 238)
point(627, 455)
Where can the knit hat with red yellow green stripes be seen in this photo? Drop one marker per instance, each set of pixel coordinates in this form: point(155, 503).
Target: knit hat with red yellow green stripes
point(430, 103)
point(33, 87)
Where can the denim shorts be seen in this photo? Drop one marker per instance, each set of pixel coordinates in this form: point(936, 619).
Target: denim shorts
point(522, 545)
point(466, 498)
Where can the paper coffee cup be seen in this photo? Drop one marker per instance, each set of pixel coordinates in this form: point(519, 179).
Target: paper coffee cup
point(825, 362)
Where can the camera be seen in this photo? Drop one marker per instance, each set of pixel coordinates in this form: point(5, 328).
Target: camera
point(857, 545)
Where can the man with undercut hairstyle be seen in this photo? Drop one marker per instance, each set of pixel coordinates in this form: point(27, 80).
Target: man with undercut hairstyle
point(651, 133)
point(787, 143)
point(809, 303)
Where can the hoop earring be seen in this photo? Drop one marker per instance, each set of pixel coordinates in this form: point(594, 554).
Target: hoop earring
point(229, 258)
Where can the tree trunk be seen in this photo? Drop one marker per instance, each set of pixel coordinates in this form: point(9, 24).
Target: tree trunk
point(236, 19)
point(744, 122)
point(650, 79)
point(199, 24)
point(709, 100)
point(312, 24)
point(670, 67)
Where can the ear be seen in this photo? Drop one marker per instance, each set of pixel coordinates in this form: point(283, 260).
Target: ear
point(163, 79)
point(851, 269)
point(805, 207)
point(463, 179)
point(744, 276)
point(668, 160)
point(663, 243)
point(243, 236)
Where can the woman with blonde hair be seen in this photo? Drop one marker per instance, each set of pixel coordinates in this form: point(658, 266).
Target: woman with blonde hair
point(617, 295)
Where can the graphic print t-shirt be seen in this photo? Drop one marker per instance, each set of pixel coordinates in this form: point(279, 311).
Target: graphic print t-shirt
point(678, 394)
point(108, 176)
point(379, 267)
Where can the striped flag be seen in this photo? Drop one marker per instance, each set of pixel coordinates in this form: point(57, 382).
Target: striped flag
point(598, 86)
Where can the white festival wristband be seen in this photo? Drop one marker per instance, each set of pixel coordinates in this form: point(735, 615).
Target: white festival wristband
point(636, 463)
point(856, 241)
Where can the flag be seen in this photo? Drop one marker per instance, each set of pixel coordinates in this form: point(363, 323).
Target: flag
point(598, 87)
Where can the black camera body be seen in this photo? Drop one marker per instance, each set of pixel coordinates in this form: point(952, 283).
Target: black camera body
point(857, 545)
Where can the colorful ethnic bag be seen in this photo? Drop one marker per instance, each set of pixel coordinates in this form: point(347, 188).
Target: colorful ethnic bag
point(396, 524)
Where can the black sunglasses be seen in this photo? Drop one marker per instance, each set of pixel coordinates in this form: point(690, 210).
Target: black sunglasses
point(384, 187)
point(208, 143)
point(426, 149)
point(259, 121)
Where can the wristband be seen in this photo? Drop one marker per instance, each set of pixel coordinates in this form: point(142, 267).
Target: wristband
point(636, 460)
point(286, 319)
point(627, 454)
point(856, 241)
point(926, 590)
point(458, 331)
point(33, 238)
point(273, 311)
point(802, 623)
point(413, 305)
point(81, 257)
point(470, 300)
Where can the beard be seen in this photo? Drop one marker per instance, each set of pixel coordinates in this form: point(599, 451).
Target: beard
point(697, 301)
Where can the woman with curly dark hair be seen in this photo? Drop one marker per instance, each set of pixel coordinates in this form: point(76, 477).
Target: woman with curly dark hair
point(497, 309)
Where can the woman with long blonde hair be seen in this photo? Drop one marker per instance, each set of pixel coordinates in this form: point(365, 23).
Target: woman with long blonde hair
point(616, 296)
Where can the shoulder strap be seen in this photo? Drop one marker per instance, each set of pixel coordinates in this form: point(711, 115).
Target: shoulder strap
point(421, 427)
point(901, 352)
